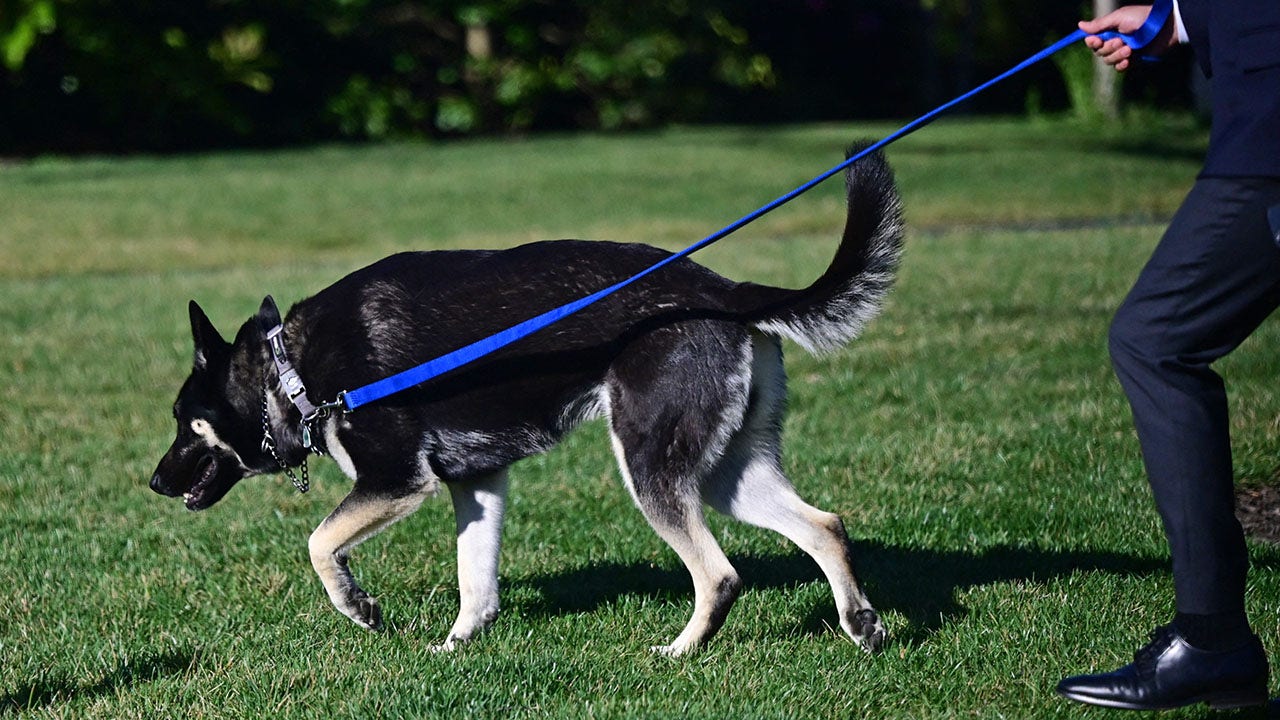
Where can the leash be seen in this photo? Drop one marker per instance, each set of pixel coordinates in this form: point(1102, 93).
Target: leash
point(350, 400)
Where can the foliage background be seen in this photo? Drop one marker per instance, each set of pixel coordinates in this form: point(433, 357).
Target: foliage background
point(121, 75)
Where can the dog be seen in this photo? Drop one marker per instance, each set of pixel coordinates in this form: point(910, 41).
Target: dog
point(685, 366)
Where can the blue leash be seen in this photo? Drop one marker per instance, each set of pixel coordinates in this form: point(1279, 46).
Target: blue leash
point(373, 392)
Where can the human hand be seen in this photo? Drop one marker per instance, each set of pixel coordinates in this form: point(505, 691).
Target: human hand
point(1127, 19)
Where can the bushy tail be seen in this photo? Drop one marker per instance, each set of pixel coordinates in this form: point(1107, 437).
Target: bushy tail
point(835, 308)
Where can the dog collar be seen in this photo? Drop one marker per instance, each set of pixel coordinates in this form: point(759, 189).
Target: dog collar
point(290, 381)
point(296, 391)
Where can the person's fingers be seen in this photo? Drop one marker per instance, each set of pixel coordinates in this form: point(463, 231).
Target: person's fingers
point(1125, 19)
point(1099, 24)
point(1114, 51)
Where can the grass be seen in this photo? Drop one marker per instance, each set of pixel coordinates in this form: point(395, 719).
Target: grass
point(973, 439)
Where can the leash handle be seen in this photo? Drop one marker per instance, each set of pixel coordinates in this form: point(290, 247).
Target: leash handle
point(352, 399)
point(1139, 39)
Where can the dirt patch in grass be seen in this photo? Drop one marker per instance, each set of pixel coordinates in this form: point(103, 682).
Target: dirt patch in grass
point(1259, 511)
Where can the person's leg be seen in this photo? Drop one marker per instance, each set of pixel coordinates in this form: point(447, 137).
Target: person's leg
point(1213, 278)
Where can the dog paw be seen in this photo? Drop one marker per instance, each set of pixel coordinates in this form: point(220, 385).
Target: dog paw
point(674, 650)
point(869, 631)
point(453, 642)
point(448, 646)
point(366, 613)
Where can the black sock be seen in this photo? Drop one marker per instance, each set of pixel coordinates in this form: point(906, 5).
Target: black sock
point(1216, 632)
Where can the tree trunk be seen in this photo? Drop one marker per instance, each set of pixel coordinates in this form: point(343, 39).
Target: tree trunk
point(1106, 81)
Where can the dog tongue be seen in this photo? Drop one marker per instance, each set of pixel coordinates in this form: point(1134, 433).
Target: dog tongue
point(194, 498)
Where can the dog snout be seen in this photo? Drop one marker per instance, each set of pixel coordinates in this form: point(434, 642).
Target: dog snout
point(160, 486)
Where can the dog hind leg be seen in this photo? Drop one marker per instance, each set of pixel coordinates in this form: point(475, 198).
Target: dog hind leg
point(749, 485)
point(674, 400)
point(715, 581)
point(478, 508)
point(763, 496)
point(715, 584)
point(360, 516)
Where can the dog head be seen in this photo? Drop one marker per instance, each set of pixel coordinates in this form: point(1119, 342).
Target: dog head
point(219, 440)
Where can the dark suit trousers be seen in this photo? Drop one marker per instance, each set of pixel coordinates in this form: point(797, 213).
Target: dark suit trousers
point(1214, 277)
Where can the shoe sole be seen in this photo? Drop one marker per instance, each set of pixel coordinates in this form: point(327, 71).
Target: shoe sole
point(1240, 699)
point(1229, 700)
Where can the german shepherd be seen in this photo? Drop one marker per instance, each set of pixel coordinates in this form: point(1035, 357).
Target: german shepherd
point(685, 367)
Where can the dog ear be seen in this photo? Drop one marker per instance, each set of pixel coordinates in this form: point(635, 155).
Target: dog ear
point(208, 341)
point(268, 315)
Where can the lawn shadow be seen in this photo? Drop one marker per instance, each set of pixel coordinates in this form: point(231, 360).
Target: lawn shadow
point(919, 583)
point(45, 691)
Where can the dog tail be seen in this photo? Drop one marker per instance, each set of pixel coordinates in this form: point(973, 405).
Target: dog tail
point(835, 308)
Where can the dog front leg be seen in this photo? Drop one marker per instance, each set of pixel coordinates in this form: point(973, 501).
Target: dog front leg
point(478, 507)
point(357, 518)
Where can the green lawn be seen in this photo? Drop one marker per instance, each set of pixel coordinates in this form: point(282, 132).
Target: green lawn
point(973, 440)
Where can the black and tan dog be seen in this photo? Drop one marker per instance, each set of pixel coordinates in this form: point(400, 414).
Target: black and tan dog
point(685, 366)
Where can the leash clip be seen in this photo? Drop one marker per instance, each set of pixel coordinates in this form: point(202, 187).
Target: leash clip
point(309, 423)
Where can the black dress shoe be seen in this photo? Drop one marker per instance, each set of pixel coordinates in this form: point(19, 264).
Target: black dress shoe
point(1169, 673)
